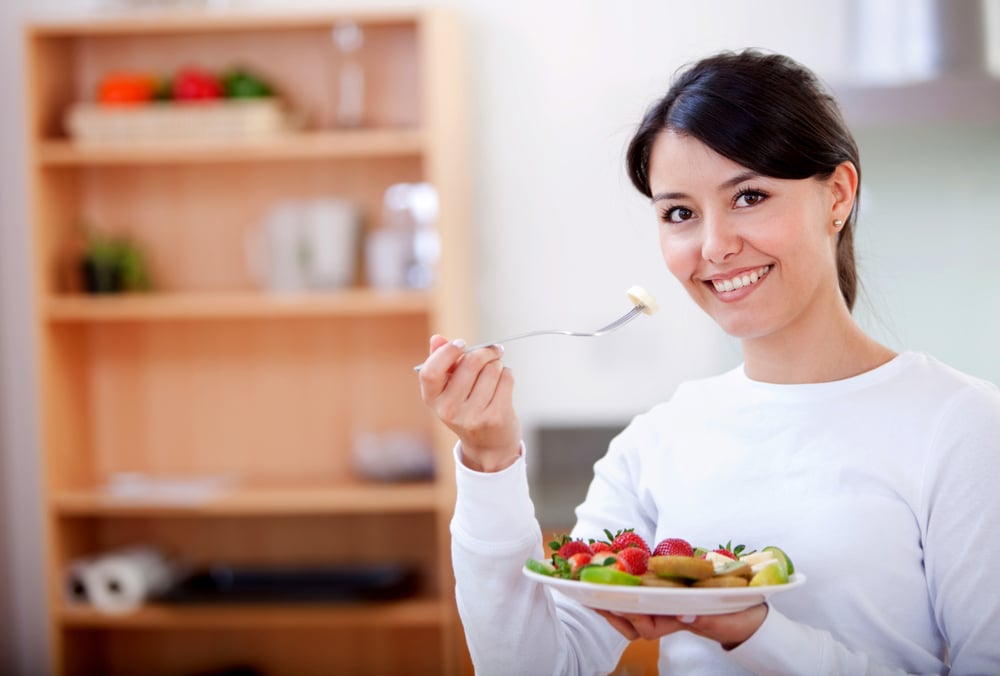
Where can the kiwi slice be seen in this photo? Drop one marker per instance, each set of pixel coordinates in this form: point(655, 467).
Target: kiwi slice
point(684, 567)
point(722, 581)
point(651, 579)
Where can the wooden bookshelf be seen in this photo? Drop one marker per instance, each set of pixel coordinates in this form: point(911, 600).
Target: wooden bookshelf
point(207, 375)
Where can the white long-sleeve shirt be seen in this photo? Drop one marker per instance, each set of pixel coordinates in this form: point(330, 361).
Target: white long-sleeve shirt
point(882, 488)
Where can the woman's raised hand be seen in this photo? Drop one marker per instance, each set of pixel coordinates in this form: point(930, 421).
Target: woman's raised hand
point(472, 393)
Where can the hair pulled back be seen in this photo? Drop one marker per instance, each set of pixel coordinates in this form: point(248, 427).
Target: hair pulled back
point(765, 112)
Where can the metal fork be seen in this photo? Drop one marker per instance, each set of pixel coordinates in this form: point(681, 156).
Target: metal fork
point(617, 324)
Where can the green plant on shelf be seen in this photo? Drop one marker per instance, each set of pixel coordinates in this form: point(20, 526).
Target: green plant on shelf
point(113, 264)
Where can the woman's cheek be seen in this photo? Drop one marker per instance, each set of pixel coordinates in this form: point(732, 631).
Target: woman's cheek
point(678, 256)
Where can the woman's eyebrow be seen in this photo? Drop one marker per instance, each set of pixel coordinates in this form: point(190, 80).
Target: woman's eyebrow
point(729, 183)
point(668, 196)
point(739, 178)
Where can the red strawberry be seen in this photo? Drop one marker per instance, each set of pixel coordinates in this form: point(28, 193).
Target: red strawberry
point(598, 547)
point(624, 539)
point(565, 547)
point(634, 560)
point(673, 547)
point(725, 552)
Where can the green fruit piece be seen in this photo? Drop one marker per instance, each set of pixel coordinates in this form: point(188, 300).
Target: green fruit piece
point(771, 574)
point(699, 552)
point(608, 575)
point(737, 568)
point(540, 567)
point(783, 557)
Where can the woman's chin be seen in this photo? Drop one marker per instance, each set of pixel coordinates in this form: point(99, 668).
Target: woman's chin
point(741, 328)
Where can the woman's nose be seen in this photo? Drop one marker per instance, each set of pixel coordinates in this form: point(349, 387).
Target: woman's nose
point(720, 240)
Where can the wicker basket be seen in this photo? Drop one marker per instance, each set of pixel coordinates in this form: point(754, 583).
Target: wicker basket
point(171, 122)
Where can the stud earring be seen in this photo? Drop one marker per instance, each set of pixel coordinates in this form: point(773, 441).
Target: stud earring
point(838, 223)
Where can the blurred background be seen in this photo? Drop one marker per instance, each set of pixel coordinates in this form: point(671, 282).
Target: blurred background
point(554, 91)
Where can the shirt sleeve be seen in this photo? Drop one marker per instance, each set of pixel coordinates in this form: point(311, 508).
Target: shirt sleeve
point(959, 517)
point(959, 523)
point(512, 624)
point(783, 647)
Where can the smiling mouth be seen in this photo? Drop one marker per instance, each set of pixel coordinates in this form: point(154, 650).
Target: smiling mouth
point(740, 281)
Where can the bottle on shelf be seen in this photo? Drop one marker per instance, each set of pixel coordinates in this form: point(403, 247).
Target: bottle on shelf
point(348, 39)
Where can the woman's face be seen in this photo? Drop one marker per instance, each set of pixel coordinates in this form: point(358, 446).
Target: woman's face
point(756, 253)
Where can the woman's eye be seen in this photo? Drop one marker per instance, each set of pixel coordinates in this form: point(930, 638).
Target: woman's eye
point(749, 198)
point(676, 215)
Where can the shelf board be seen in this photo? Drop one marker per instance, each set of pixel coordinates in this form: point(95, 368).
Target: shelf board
point(164, 21)
point(339, 498)
point(164, 306)
point(319, 145)
point(423, 612)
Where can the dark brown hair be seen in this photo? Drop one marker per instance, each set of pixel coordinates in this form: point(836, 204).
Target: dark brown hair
point(765, 112)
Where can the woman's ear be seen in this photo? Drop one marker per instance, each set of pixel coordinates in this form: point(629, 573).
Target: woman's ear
point(843, 190)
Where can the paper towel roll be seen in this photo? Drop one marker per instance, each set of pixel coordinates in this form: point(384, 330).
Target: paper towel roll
point(76, 586)
point(121, 581)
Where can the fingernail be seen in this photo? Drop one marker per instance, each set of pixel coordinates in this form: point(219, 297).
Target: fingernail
point(687, 619)
point(499, 348)
point(459, 343)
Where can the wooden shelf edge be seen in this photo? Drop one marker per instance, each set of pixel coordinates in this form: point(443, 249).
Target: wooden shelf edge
point(113, 22)
point(223, 306)
point(348, 498)
point(320, 145)
point(421, 612)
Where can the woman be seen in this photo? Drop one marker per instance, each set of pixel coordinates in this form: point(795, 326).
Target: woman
point(874, 470)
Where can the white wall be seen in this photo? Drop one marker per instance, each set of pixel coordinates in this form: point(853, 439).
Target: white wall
point(928, 242)
point(556, 89)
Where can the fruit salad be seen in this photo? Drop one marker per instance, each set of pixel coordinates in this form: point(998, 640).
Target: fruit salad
point(624, 558)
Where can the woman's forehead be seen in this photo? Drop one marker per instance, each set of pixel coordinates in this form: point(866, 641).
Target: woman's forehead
point(680, 159)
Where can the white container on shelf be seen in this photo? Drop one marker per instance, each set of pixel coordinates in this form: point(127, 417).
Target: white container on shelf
point(310, 244)
point(329, 232)
point(172, 122)
point(404, 252)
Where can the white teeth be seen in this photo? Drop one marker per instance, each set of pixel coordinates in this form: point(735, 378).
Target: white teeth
point(739, 282)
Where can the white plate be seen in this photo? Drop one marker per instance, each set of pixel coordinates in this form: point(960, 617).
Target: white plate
point(664, 600)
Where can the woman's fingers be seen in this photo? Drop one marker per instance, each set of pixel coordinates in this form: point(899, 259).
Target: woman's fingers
point(505, 387)
point(483, 391)
point(729, 629)
point(436, 342)
point(435, 374)
point(649, 627)
point(472, 393)
point(622, 625)
point(462, 386)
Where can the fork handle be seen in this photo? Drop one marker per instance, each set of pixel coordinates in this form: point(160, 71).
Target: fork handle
point(511, 339)
point(479, 346)
point(624, 319)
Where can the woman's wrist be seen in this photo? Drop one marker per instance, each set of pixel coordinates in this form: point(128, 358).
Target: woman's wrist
point(489, 462)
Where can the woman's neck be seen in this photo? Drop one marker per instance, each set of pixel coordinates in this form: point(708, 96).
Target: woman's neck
point(830, 347)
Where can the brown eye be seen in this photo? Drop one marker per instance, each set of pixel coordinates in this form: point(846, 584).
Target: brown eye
point(749, 198)
point(677, 215)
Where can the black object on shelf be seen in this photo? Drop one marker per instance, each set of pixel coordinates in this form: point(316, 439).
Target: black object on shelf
point(262, 584)
point(239, 670)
